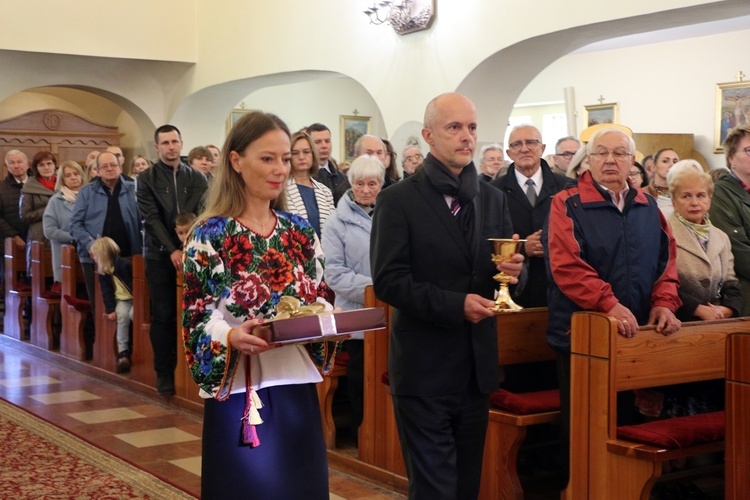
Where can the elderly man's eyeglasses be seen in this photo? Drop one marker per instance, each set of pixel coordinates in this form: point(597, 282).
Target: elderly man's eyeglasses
point(747, 151)
point(619, 156)
point(567, 155)
point(531, 143)
point(415, 156)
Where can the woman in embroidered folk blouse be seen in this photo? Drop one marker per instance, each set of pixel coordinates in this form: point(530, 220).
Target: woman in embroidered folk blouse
point(262, 431)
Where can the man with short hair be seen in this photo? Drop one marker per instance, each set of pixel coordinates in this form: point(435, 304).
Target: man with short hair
point(374, 146)
point(529, 186)
point(215, 156)
point(565, 149)
point(609, 250)
point(199, 159)
point(493, 162)
point(431, 261)
point(412, 160)
point(166, 189)
point(328, 173)
point(106, 207)
point(11, 225)
point(115, 150)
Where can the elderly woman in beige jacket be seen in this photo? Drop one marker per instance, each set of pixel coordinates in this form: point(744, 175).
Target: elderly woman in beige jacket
point(709, 288)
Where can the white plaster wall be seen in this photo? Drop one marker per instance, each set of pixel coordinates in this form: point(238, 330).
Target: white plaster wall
point(161, 30)
point(661, 88)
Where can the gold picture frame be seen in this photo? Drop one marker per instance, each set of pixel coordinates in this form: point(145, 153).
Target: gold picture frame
point(730, 110)
point(597, 114)
point(235, 115)
point(352, 128)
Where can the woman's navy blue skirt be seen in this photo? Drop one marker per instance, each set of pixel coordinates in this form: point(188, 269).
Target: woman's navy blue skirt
point(290, 462)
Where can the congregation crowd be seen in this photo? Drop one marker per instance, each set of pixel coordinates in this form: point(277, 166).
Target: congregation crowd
point(272, 214)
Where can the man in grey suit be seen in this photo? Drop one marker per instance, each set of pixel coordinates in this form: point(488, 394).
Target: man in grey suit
point(431, 260)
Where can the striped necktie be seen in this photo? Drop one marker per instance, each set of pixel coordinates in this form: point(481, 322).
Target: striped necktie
point(455, 206)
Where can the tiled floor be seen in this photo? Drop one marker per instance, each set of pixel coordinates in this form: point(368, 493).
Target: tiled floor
point(161, 439)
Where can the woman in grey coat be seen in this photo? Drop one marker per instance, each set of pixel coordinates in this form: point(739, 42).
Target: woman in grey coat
point(346, 245)
point(56, 220)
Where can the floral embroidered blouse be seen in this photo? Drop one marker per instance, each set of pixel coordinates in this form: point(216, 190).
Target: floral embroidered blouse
point(232, 274)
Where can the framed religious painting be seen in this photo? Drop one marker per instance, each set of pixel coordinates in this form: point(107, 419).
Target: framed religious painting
point(235, 115)
point(597, 114)
point(732, 110)
point(351, 129)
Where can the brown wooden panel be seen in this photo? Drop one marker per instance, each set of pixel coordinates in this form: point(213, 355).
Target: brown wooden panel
point(105, 342)
point(71, 337)
point(15, 296)
point(142, 360)
point(601, 465)
point(521, 337)
point(65, 135)
point(737, 458)
point(43, 310)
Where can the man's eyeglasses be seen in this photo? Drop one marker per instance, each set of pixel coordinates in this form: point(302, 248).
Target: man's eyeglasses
point(531, 143)
point(617, 155)
point(567, 155)
point(635, 173)
point(747, 151)
point(415, 156)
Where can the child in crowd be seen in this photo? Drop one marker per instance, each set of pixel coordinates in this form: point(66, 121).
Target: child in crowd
point(116, 280)
point(182, 224)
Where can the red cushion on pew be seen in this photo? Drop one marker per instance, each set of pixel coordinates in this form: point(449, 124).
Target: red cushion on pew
point(679, 432)
point(526, 403)
point(342, 359)
point(78, 304)
point(23, 287)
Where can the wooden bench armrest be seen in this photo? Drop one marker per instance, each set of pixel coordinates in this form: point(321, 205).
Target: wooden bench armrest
point(652, 453)
point(510, 418)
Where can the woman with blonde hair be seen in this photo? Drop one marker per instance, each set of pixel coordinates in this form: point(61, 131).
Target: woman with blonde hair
point(56, 218)
point(116, 280)
point(262, 432)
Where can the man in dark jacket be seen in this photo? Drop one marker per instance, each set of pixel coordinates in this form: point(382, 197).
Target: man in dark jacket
point(431, 260)
point(11, 225)
point(529, 212)
point(165, 190)
point(329, 173)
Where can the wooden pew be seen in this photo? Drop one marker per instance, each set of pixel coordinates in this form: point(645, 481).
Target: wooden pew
point(71, 338)
point(185, 386)
point(142, 359)
point(378, 436)
point(326, 391)
point(604, 363)
point(44, 305)
point(105, 343)
point(16, 291)
point(737, 454)
point(521, 339)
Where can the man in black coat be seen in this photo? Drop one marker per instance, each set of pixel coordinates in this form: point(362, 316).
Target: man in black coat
point(431, 260)
point(529, 212)
point(11, 225)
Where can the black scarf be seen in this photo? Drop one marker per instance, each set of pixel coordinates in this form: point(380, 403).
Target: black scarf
point(464, 187)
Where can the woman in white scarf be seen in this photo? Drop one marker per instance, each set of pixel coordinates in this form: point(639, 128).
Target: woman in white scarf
point(56, 220)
